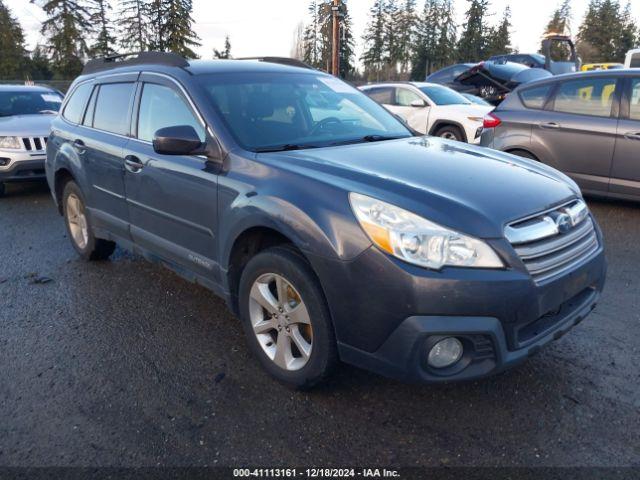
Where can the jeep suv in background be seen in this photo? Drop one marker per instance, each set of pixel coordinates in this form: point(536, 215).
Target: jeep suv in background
point(25, 120)
point(330, 229)
point(585, 124)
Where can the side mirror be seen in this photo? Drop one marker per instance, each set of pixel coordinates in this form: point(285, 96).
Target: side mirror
point(178, 140)
point(418, 103)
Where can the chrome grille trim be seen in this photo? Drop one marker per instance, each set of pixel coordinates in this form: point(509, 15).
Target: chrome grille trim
point(550, 255)
point(34, 144)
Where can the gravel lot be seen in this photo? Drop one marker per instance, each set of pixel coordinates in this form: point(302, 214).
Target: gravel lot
point(123, 363)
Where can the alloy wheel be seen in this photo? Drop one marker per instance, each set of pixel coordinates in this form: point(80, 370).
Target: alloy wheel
point(77, 221)
point(280, 321)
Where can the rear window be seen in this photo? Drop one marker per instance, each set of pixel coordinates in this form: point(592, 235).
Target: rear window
point(112, 108)
point(589, 96)
point(535, 97)
point(78, 100)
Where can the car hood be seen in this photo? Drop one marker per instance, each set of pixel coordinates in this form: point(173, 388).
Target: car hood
point(26, 125)
point(471, 189)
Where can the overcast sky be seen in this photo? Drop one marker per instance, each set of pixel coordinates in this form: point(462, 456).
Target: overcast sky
point(266, 27)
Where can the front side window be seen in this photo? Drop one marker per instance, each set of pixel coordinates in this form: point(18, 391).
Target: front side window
point(162, 107)
point(535, 97)
point(112, 107)
point(589, 96)
point(77, 102)
point(272, 111)
point(634, 108)
point(405, 97)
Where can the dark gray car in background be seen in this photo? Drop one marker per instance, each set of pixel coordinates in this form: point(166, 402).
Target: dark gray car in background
point(585, 124)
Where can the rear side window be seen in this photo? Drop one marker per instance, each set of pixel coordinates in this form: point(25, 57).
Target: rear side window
point(634, 108)
point(78, 100)
point(112, 108)
point(382, 95)
point(535, 97)
point(589, 96)
point(162, 107)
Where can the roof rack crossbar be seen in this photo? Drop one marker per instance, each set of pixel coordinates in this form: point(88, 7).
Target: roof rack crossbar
point(136, 58)
point(292, 62)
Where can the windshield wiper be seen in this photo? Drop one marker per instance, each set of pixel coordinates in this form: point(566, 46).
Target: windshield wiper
point(283, 148)
point(369, 138)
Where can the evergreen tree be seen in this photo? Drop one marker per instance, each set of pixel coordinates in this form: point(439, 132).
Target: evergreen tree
point(499, 38)
point(311, 43)
point(104, 45)
point(133, 25)
point(407, 23)
point(627, 35)
point(391, 38)
point(473, 40)
point(39, 65)
point(445, 50)
point(13, 60)
point(224, 54)
point(374, 36)
point(66, 28)
point(347, 46)
point(427, 36)
point(171, 26)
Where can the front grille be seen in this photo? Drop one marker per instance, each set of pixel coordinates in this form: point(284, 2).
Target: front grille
point(554, 242)
point(36, 144)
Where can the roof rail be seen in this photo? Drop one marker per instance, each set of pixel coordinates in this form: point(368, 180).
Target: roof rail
point(137, 58)
point(292, 62)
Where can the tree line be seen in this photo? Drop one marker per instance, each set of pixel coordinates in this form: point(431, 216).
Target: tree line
point(75, 30)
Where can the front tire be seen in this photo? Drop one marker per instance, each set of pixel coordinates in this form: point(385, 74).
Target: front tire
point(286, 319)
point(450, 132)
point(79, 226)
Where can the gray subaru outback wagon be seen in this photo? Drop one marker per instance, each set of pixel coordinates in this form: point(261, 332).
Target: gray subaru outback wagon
point(332, 231)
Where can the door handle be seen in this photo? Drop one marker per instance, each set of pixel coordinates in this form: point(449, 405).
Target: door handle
point(79, 146)
point(133, 163)
point(550, 125)
point(632, 135)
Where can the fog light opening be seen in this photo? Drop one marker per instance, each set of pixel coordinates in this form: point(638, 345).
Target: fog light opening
point(4, 161)
point(445, 353)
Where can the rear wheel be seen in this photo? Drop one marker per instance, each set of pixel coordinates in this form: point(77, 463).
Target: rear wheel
point(286, 319)
point(450, 132)
point(79, 227)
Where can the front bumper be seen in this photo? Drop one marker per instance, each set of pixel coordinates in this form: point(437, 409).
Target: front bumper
point(386, 313)
point(22, 166)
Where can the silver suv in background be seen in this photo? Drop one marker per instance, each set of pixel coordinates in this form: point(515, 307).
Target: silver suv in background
point(26, 113)
point(586, 125)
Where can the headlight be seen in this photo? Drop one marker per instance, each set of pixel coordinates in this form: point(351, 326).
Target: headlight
point(417, 240)
point(12, 143)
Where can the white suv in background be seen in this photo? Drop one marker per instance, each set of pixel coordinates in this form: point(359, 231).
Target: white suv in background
point(26, 113)
point(432, 109)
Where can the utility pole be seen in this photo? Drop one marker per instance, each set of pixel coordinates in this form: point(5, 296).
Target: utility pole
point(335, 44)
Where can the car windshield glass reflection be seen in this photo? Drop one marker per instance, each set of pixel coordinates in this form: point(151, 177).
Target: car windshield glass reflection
point(29, 103)
point(272, 112)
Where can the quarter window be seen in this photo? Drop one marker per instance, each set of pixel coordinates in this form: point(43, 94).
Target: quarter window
point(591, 96)
point(535, 97)
point(77, 102)
point(112, 108)
point(634, 108)
point(162, 107)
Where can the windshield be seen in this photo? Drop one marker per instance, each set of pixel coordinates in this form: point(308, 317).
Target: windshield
point(538, 57)
point(272, 111)
point(29, 103)
point(444, 96)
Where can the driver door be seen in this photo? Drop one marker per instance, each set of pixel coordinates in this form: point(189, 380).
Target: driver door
point(412, 107)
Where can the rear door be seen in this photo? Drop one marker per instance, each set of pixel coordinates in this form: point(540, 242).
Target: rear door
point(172, 199)
point(578, 129)
point(625, 171)
point(100, 141)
